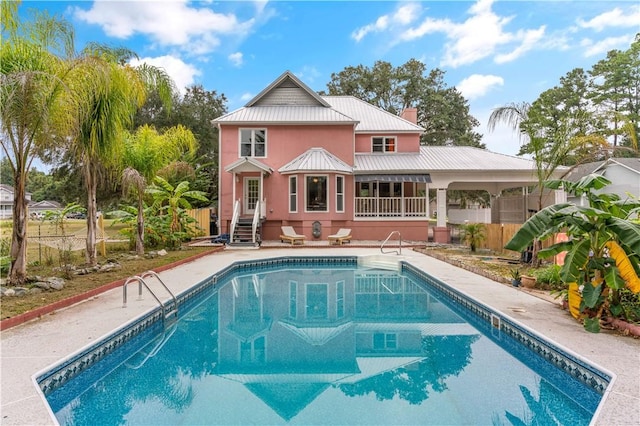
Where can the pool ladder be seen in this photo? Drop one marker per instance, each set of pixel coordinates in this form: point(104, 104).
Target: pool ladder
point(169, 311)
point(399, 251)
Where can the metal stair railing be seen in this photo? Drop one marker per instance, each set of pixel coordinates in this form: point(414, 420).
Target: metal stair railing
point(234, 220)
point(255, 222)
point(399, 251)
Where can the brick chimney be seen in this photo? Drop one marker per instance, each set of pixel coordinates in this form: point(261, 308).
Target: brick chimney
point(410, 114)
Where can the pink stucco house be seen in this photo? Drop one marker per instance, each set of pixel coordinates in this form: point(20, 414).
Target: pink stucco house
point(290, 157)
point(319, 163)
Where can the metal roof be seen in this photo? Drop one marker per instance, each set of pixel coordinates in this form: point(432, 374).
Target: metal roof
point(440, 158)
point(248, 164)
point(289, 101)
point(316, 159)
point(371, 118)
point(301, 114)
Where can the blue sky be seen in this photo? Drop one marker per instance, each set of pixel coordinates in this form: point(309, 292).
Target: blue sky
point(494, 52)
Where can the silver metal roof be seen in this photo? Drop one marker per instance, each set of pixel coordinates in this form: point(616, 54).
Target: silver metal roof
point(289, 101)
point(301, 114)
point(316, 159)
point(248, 164)
point(440, 158)
point(371, 118)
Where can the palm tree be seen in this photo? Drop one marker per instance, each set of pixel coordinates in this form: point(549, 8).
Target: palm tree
point(512, 114)
point(146, 152)
point(31, 87)
point(108, 95)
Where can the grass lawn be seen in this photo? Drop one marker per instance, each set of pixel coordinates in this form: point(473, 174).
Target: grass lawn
point(45, 261)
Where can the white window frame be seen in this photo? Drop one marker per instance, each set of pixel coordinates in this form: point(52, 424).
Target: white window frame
point(339, 195)
point(293, 195)
point(385, 144)
point(252, 141)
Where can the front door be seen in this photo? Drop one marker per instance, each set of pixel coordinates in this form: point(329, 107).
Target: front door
point(251, 193)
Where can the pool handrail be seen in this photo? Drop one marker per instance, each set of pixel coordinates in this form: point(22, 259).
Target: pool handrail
point(399, 251)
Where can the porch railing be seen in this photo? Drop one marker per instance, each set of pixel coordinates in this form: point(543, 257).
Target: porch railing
point(391, 207)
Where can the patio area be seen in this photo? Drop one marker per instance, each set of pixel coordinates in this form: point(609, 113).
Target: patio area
point(31, 347)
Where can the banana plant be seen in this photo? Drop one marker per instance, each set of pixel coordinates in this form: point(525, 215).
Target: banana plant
point(603, 251)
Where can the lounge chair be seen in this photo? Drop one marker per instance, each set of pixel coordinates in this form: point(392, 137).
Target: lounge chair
point(289, 234)
point(342, 236)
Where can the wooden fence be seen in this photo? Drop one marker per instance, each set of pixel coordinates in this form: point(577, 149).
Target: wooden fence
point(202, 217)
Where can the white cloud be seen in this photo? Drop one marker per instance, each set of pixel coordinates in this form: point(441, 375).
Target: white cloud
point(599, 47)
point(530, 39)
point(478, 37)
point(171, 23)
point(478, 85)
point(613, 18)
point(183, 74)
point(236, 59)
point(246, 97)
point(404, 15)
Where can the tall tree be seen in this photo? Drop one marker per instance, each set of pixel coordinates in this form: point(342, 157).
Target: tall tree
point(194, 110)
point(442, 110)
point(146, 152)
point(108, 95)
point(32, 76)
point(615, 93)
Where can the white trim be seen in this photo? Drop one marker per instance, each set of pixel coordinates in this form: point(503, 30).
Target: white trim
point(384, 143)
point(296, 194)
point(341, 193)
point(253, 142)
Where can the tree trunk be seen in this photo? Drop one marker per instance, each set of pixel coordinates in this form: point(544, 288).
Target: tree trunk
point(18, 253)
point(140, 229)
point(91, 183)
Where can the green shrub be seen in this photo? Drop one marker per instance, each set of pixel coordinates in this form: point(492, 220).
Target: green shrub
point(473, 234)
point(549, 277)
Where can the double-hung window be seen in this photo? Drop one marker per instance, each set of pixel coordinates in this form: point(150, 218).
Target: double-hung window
point(339, 194)
point(383, 144)
point(293, 194)
point(253, 142)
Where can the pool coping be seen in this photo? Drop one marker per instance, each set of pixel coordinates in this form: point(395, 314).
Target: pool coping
point(66, 330)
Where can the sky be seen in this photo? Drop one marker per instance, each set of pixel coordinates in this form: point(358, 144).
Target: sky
point(493, 52)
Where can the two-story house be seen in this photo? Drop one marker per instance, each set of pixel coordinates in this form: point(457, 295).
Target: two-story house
point(320, 163)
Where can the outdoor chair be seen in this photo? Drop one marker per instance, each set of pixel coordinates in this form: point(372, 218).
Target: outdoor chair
point(290, 235)
point(342, 236)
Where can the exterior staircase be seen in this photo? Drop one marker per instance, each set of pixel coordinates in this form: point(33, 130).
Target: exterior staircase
point(242, 235)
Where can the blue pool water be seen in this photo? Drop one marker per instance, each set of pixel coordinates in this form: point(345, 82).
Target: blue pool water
point(321, 343)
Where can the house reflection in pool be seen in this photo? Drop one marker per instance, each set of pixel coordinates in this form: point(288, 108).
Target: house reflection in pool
point(291, 335)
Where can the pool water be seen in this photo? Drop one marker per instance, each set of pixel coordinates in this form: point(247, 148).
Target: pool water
point(322, 344)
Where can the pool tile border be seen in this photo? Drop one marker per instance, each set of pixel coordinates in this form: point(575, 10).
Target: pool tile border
point(70, 367)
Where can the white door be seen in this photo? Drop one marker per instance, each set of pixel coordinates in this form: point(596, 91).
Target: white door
point(251, 194)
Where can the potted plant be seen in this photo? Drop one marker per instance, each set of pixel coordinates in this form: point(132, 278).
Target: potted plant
point(528, 281)
point(516, 279)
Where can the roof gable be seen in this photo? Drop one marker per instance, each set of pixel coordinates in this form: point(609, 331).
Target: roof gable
point(316, 160)
point(287, 90)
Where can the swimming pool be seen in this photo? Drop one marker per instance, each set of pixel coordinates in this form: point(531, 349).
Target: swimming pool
point(301, 341)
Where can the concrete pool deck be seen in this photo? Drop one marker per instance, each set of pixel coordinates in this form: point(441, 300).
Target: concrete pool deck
point(32, 347)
